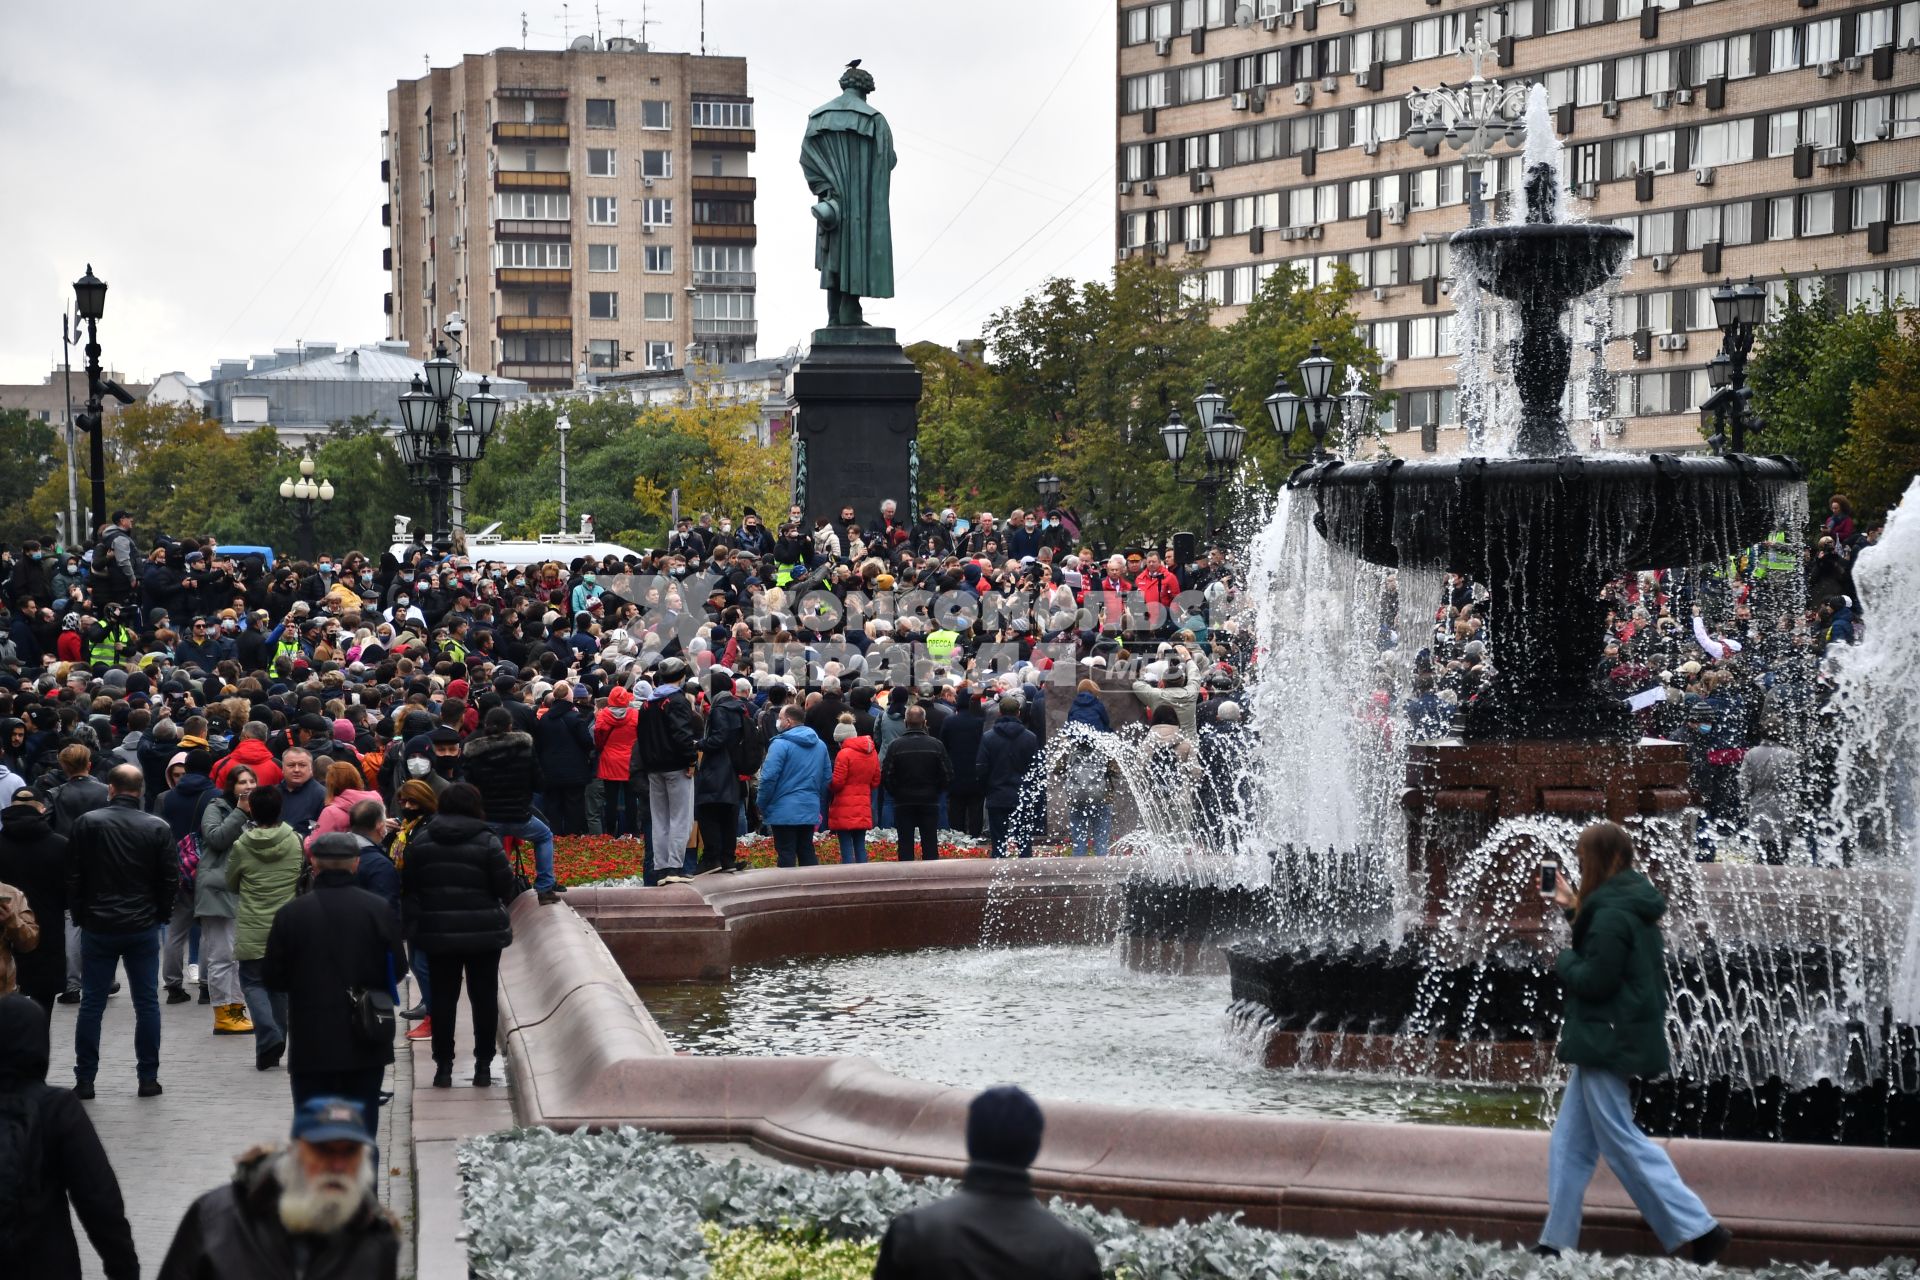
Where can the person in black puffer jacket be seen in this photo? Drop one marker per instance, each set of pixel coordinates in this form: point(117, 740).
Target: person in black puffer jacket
point(500, 762)
point(563, 741)
point(454, 891)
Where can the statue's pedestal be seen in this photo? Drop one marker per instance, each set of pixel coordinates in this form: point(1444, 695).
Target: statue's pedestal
point(1457, 792)
point(854, 402)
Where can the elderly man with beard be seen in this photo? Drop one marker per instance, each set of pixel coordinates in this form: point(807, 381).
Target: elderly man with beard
point(307, 1209)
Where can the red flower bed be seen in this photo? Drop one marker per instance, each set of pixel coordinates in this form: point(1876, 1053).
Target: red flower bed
point(584, 859)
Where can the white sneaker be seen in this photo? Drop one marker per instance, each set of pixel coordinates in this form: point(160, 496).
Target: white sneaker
point(193, 975)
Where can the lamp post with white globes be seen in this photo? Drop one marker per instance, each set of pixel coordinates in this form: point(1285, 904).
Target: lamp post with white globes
point(438, 439)
point(303, 494)
point(1224, 439)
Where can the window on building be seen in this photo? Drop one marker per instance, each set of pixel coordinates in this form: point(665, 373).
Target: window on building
point(659, 355)
point(1903, 286)
point(532, 253)
point(1560, 15)
point(1906, 112)
point(657, 259)
point(656, 306)
point(1906, 202)
point(536, 206)
point(601, 163)
point(1139, 27)
point(599, 113)
point(656, 114)
point(722, 115)
point(1780, 218)
point(1869, 205)
point(603, 211)
point(1656, 233)
point(1728, 143)
point(603, 353)
point(1426, 38)
point(1820, 126)
point(656, 211)
point(656, 164)
point(1587, 84)
point(1736, 223)
point(1628, 77)
point(1703, 225)
point(1783, 133)
point(1384, 337)
point(1816, 213)
point(1422, 338)
point(1786, 49)
point(603, 306)
point(1866, 289)
point(1657, 150)
point(603, 257)
point(1822, 41)
point(1659, 312)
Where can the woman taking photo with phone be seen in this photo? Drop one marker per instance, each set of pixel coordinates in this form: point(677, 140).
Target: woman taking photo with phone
point(1615, 975)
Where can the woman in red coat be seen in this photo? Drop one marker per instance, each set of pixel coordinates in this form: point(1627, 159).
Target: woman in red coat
point(856, 772)
point(614, 727)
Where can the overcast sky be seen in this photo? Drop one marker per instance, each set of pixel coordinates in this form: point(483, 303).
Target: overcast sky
point(217, 163)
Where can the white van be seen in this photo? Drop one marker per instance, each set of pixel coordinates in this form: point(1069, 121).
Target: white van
point(564, 548)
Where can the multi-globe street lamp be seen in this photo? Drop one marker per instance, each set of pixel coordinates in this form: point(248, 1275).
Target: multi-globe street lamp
point(1470, 117)
point(1051, 487)
point(1224, 437)
point(1284, 408)
point(1739, 311)
point(435, 438)
point(303, 494)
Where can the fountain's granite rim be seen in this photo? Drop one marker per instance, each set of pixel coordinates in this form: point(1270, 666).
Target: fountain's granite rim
point(582, 1052)
point(1522, 232)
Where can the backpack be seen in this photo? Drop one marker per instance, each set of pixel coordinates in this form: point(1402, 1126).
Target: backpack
point(749, 751)
point(188, 848)
point(1084, 780)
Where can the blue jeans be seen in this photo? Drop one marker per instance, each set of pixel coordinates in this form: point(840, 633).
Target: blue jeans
point(853, 846)
point(1089, 829)
point(1596, 1119)
point(100, 954)
point(542, 836)
point(267, 1009)
point(793, 846)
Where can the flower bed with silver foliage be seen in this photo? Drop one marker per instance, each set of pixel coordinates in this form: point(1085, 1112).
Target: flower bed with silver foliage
point(548, 1206)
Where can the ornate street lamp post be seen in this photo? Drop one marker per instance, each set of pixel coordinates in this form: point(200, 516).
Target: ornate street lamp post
point(304, 493)
point(1224, 439)
point(1739, 311)
point(1470, 117)
point(90, 295)
point(1284, 408)
point(1050, 487)
point(436, 438)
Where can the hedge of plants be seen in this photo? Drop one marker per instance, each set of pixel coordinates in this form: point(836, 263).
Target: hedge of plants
point(628, 1202)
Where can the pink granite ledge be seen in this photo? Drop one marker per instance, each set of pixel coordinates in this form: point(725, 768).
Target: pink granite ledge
point(583, 1052)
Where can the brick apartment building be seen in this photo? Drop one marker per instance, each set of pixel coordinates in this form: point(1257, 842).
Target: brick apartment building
point(587, 209)
point(1778, 139)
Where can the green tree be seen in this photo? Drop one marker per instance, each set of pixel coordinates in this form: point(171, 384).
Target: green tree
point(33, 452)
point(1881, 454)
point(1810, 361)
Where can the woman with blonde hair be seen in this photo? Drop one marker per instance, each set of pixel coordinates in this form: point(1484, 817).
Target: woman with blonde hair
point(1614, 1028)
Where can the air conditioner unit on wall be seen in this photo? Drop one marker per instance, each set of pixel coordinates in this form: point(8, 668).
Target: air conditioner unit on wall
point(1662, 262)
point(1126, 188)
point(1396, 214)
point(1683, 96)
point(1855, 63)
point(1302, 93)
point(1197, 244)
point(1703, 175)
point(1330, 84)
point(1241, 102)
point(1832, 157)
point(1827, 70)
point(1371, 146)
point(1149, 189)
point(1163, 46)
point(1662, 100)
point(1586, 190)
point(1610, 108)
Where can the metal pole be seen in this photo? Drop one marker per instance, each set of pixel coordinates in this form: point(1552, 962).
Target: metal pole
point(563, 426)
point(73, 470)
point(97, 453)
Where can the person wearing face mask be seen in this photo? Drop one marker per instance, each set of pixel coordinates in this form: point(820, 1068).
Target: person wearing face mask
point(405, 614)
point(588, 591)
point(1023, 537)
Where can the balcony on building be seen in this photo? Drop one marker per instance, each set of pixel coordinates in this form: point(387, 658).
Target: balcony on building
point(522, 179)
point(723, 279)
point(724, 187)
point(531, 133)
point(532, 229)
point(539, 279)
point(725, 328)
point(724, 139)
point(534, 324)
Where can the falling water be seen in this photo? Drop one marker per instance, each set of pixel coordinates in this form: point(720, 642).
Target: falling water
point(1876, 803)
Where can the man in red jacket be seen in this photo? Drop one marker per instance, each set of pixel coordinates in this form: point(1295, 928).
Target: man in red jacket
point(252, 752)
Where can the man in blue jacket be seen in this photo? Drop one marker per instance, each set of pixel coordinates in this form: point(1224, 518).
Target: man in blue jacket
point(795, 785)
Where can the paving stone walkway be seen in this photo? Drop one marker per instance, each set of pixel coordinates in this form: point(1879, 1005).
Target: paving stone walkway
point(167, 1150)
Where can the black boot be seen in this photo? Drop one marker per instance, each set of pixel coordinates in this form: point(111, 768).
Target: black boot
point(177, 995)
point(1708, 1248)
point(204, 997)
point(443, 1076)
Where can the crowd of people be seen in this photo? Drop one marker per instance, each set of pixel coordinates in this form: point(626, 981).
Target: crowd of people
point(260, 783)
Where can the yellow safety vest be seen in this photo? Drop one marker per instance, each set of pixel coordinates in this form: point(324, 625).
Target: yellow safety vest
point(106, 651)
point(940, 644)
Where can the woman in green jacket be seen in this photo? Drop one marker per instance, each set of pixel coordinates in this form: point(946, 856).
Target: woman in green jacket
point(1615, 1026)
point(263, 873)
point(226, 819)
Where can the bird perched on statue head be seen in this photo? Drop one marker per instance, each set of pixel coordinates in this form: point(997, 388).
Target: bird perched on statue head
point(854, 63)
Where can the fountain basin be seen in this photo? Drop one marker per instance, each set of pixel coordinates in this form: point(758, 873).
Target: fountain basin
point(1551, 261)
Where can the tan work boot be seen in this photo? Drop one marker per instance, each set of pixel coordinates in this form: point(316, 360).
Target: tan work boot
point(232, 1020)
